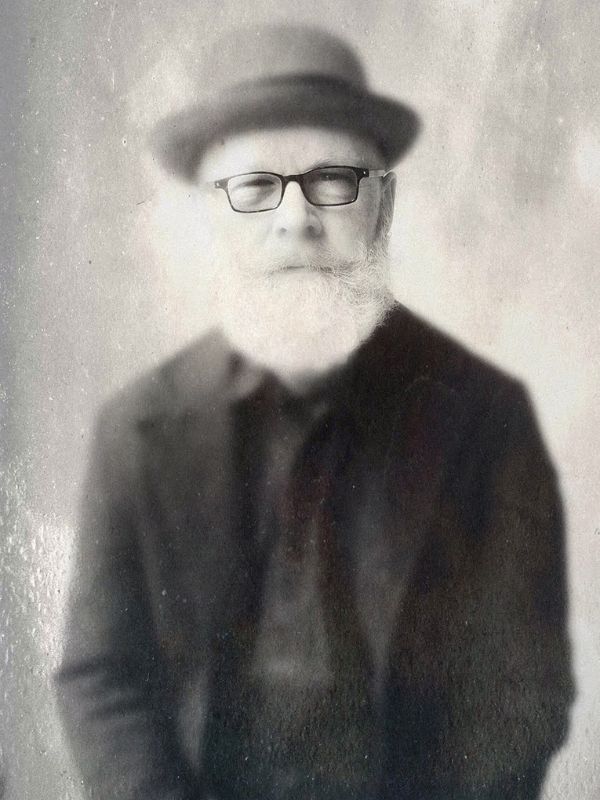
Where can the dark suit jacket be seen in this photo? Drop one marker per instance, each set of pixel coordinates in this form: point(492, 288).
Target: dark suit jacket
point(446, 468)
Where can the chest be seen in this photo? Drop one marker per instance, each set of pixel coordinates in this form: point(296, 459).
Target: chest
point(213, 479)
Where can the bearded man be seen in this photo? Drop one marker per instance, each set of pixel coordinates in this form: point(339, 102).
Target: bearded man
point(321, 551)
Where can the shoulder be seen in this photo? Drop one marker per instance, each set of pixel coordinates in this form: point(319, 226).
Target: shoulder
point(411, 350)
point(485, 411)
point(497, 419)
point(189, 379)
point(489, 409)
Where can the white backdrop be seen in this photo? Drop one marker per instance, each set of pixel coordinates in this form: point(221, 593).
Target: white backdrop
point(496, 240)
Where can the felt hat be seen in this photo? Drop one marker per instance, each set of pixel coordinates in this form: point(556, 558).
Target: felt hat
point(279, 76)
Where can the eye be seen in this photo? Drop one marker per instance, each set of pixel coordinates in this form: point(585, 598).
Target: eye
point(330, 186)
point(339, 176)
point(254, 191)
point(325, 176)
point(252, 186)
point(254, 182)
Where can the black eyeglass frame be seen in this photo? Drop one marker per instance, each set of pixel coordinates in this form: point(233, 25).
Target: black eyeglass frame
point(360, 172)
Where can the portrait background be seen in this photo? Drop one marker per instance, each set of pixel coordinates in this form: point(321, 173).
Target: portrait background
point(496, 240)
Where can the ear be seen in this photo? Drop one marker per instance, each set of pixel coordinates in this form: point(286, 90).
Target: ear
point(388, 196)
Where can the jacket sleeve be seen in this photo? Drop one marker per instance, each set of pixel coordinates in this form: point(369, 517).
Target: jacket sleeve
point(516, 653)
point(486, 683)
point(108, 685)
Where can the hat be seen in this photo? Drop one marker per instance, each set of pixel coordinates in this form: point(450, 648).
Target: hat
point(281, 76)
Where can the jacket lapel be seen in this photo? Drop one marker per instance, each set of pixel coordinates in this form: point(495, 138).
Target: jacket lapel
point(408, 429)
point(189, 447)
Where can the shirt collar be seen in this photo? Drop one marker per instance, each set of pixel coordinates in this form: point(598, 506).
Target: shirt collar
point(247, 380)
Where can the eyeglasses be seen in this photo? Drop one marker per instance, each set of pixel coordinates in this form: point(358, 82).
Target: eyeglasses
point(324, 186)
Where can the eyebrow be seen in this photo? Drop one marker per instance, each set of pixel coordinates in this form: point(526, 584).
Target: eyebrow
point(330, 162)
point(333, 161)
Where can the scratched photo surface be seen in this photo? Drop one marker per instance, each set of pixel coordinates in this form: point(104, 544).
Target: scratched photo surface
point(495, 240)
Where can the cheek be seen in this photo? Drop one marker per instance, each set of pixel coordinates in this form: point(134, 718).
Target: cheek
point(355, 226)
point(223, 227)
point(363, 215)
point(235, 242)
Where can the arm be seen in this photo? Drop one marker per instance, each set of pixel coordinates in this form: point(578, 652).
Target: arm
point(108, 683)
point(485, 680)
point(521, 685)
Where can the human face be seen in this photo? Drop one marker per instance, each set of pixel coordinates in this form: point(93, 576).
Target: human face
point(296, 231)
point(299, 287)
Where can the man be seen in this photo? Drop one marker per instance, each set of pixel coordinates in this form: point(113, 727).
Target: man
point(321, 551)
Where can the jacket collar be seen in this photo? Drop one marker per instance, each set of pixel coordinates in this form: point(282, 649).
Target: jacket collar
point(400, 355)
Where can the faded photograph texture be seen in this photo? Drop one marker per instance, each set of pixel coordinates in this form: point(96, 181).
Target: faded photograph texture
point(394, 594)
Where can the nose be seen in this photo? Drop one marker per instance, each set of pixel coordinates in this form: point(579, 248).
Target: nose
point(296, 216)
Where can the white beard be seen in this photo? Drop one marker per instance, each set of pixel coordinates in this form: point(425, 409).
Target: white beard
point(301, 323)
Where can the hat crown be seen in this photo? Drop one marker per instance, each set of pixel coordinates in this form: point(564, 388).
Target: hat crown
point(278, 52)
point(275, 77)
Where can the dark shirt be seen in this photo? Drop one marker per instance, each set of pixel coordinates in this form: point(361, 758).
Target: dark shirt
point(296, 680)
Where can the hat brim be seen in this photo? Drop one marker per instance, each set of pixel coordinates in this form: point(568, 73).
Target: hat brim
point(179, 140)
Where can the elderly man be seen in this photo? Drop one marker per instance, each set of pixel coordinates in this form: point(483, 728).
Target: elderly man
point(321, 549)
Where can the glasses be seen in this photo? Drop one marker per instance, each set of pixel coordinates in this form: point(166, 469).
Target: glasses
point(324, 186)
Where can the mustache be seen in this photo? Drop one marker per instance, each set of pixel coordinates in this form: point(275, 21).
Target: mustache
point(325, 261)
point(368, 262)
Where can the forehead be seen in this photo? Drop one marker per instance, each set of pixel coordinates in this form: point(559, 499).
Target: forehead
point(287, 150)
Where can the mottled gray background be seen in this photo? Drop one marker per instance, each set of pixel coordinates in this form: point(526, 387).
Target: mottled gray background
point(497, 240)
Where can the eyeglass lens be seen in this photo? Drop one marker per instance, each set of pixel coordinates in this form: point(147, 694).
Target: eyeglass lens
point(262, 191)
